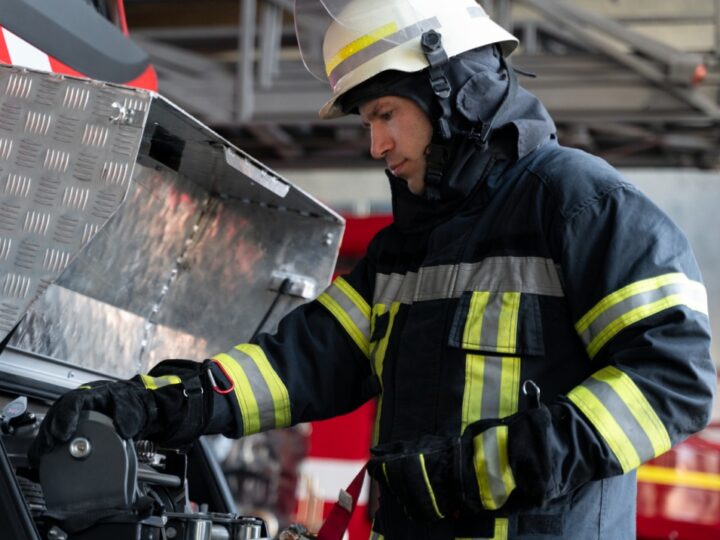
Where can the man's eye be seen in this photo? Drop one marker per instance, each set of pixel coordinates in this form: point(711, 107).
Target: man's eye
point(387, 115)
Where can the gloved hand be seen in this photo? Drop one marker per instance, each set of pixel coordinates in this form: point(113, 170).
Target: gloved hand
point(421, 475)
point(436, 477)
point(173, 405)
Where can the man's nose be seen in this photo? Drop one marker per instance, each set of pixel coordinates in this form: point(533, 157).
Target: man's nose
point(380, 142)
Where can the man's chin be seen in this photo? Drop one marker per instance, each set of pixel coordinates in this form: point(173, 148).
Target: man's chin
point(416, 187)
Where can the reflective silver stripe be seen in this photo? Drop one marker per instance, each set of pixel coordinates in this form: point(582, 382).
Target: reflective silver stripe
point(491, 388)
point(391, 288)
point(495, 383)
point(615, 317)
point(491, 321)
point(494, 476)
point(533, 275)
point(493, 467)
point(623, 416)
point(436, 282)
point(263, 396)
point(351, 311)
point(381, 46)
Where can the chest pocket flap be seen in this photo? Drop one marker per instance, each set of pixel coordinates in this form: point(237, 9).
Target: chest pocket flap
point(505, 323)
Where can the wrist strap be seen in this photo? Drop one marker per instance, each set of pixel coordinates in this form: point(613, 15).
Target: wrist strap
point(194, 422)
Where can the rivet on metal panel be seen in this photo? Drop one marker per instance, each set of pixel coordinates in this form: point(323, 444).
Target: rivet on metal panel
point(328, 239)
point(122, 115)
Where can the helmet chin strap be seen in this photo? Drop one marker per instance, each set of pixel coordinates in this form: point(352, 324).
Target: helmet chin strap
point(438, 150)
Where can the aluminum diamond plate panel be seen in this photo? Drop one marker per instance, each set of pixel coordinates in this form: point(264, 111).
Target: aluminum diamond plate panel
point(66, 160)
point(130, 232)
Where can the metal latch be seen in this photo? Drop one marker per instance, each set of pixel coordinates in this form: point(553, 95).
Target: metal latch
point(301, 286)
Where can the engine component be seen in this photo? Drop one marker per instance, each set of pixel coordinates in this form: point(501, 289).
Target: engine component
point(95, 470)
point(98, 486)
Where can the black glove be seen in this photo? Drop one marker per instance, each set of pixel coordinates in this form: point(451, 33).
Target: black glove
point(437, 477)
point(420, 475)
point(174, 405)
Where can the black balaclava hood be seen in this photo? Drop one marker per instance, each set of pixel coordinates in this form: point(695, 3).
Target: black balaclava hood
point(479, 81)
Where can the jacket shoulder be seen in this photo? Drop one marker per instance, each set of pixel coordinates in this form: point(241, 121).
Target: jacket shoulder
point(574, 178)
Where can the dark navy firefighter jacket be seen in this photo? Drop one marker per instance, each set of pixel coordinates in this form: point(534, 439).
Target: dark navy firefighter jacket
point(551, 268)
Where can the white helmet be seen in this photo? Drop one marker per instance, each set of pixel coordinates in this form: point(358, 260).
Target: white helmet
point(363, 38)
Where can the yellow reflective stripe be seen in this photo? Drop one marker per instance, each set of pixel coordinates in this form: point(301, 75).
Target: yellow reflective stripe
point(502, 526)
point(380, 349)
point(624, 293)
point(632, 317)
point(345, 321)
point(153, 383)
point(675, 477)
point(278, 390)
point(506, 472)
point(376, 536)
point(429, 487)
point(243, 393)
point(480, 474)
point(492, 469)
point(354, 296)
point(353, 328)
point(636, 302)
point(639, 407)
point(385, 474)
point(504, 396)
point(84, 387)
point(378, 359)
point(148, 382)
point(509, 386)
point(472, 333)
point(359, 44)
point(508, 323)
point(472, 395)
point(607, 426)
point(376, 426)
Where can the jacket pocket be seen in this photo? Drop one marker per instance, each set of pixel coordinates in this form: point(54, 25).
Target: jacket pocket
point(498, 323)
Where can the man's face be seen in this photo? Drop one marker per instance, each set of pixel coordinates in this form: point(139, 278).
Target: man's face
point(400, 133)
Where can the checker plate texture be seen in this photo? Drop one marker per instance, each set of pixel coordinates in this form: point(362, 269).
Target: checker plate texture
point(65, 168)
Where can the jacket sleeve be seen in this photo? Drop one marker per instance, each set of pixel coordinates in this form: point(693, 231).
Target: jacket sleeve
point(640, 309)
point(315, 366)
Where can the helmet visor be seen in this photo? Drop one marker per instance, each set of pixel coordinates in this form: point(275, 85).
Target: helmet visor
point(330, 32)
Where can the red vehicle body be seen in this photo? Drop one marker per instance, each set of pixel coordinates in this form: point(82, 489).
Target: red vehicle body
point(679, 492)
point(75, 37)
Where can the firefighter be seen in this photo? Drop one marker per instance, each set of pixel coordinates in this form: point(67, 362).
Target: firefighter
point(533, 326)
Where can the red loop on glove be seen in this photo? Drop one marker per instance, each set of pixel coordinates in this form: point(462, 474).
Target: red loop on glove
point(215, 387)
